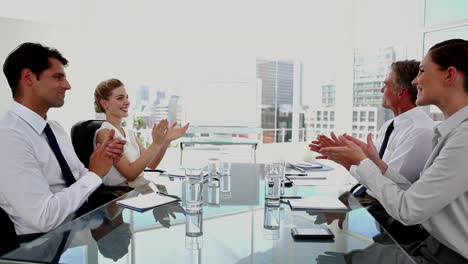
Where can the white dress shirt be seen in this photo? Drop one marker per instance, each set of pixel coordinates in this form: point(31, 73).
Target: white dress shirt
point(131, 151)
point(409, 145)
point(32, 190)
point(439, 199)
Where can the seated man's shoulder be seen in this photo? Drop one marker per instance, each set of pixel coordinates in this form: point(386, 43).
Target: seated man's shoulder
point(423, 120)
point(12, 123)
point(421, 123)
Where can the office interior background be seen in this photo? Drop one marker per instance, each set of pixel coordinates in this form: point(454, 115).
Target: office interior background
point(276, 72)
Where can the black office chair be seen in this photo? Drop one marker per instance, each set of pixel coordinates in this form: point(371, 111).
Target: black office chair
point(8, 240)
point(82, 135)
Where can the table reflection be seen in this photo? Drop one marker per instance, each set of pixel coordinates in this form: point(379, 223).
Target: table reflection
point(238, 228)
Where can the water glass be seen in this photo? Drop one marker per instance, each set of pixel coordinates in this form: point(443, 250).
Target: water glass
point(194, 230)
point(213, 167)
point(194, 174)
point(193, 188)
point(271, 222)
point(213, 194)
point(272, 184)
point(225, 186)
point(281, 166)
point(225, 168)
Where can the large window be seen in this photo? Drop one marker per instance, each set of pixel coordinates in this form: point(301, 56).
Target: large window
point(445, 12)
point(380, 40)
point(227, 67)
point(444, 20)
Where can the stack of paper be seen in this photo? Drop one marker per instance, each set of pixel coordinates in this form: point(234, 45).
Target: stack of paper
point(317, 203)
point(147, 201)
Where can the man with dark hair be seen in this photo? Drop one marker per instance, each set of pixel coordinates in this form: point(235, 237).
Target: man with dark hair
point(32, 56)
point(405, 142)
point(43, 182)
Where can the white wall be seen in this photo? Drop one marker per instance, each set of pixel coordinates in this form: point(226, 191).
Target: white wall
point(15, 32)
point(171, 45)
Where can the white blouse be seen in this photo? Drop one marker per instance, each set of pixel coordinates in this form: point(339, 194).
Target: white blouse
point(439, 199)
point(131, 151)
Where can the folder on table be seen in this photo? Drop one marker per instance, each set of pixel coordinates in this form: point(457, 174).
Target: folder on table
point(147, 201)
point(318, 203)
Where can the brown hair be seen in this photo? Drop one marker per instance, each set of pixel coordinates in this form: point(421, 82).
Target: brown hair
point(452, 53)
point(103, 91)
point(33, 56)
point(405, 72)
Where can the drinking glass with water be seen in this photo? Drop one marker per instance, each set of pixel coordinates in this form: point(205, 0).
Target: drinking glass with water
point(194, 188)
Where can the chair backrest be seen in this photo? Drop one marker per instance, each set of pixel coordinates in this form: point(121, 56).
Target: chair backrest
point(82, 136)
point(8, 239)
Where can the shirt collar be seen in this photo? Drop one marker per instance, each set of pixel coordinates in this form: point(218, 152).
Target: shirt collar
point(407, 116)
point(29, 116)
point(453, 121)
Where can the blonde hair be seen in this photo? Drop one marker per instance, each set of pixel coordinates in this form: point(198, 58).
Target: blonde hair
point(104, 91)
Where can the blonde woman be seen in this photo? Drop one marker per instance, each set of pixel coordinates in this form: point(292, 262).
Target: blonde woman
point(110, 97)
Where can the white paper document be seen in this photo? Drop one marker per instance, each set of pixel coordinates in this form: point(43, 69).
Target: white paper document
point(317, 203)
point(146, 201)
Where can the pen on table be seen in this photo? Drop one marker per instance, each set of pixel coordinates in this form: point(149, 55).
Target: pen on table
point(292, 177)
point(150, 170)
point(296, 174)
point(169, 195)
point(291, 197)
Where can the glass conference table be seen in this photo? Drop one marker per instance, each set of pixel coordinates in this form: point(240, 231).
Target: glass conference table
point(234, 230)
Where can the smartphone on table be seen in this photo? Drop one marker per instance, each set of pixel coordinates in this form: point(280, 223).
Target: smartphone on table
point(308, 233)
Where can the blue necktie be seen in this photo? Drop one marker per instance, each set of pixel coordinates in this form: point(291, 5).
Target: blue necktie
point(385, 141)
point(358, 190)
point(66, 171)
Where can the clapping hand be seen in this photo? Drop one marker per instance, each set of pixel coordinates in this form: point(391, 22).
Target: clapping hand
point(350, 153)
point(175, 132)
point(369, 149)
point(159, 131)
point(106, 154)
point(325, 142)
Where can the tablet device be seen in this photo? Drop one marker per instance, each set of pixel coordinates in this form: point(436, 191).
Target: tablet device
point(302, 233)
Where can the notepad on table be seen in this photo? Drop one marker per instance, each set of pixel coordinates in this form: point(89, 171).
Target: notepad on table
point(305, 165)
point(317, 203)
point(147, 201)
point(302, 167)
